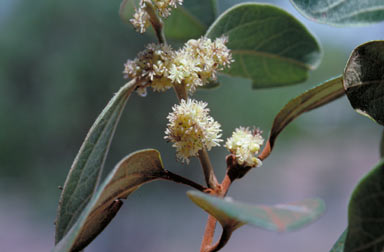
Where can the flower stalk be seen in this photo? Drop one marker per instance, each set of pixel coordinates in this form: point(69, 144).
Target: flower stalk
point(156, 21)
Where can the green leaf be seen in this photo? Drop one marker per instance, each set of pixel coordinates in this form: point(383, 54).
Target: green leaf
point(269, 45)
point(311, 99)
point(364, 80)
point(190, 20)
point(366, 213)
point(339, 245)
point(342, 13)
point(282, 217)
point(127, 9)
point(211, 85)
point(133, 171)
point(382, 145)
point(87, 167)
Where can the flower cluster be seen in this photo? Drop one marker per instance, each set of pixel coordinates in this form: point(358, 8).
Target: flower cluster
point(191, 129)
point(141, 19)
point(245, 144)
point(193, 65)
point(163, 6)
point(198, 62)
point(151, 67)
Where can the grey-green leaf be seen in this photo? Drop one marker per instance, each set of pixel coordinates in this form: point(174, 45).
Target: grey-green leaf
point(339, 245)
point(311, 99)
point(269, 46)
point(86, 169)
point(190, 20)
point(133, 171)
point(281, 217)
point(366, 213)
point(342, 13)
point(364, 80)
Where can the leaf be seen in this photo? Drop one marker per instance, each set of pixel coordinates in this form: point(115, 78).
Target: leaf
point(269, 46)
point(133, 171)
point(188, 21)
point(364, 80)
point(382, 145)
point(282, 217)
point(87, 167)
point(127, 9)
point(342, 13)
point(366, 213)
point(339, 245)
point(213, 84)
point(311, 99)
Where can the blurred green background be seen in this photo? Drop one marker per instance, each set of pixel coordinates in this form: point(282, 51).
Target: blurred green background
point(60, 63)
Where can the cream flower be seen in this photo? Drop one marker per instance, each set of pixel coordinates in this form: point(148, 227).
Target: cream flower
point(141, 19)
point(193, 65)
point(245, 144)
point(191, 129)
point(164, 6)
point(151, 67)
point(198, 62)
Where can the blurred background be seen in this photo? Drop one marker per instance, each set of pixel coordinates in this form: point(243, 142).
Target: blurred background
point(60, 63)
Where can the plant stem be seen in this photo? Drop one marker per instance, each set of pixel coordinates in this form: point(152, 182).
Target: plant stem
point(266, 151)
point(209, 232)
point(210, 226)
point(179, 179)
point(180, 91)
point(234, 171)
point(225, 236)
point(156, 22)
point(209, 174)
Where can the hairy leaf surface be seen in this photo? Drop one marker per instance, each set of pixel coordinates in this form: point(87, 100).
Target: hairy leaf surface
point(133, 171)
point(87, 167)
point(342, 12)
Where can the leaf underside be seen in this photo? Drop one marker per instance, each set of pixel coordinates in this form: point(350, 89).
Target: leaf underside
point(309, 100)
point(86, 169)
point(281, 217)
point(133, 171)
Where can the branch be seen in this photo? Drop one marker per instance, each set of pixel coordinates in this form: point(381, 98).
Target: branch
point(225, 236)
point(181, 180)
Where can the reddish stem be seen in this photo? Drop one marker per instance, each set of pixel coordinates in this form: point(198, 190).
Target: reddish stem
point(234, 171)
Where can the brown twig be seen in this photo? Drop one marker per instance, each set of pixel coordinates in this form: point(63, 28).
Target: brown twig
point(210, 226)
point(234, 171)
point(180, 91)
point(266, 151)
point(209, 232)
point(179, 179)
point(225, 236)
point(156, 22)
